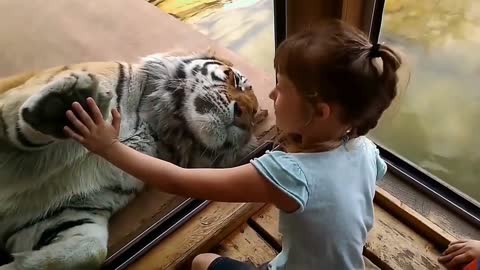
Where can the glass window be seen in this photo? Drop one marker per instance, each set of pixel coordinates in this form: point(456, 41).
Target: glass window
point(243, 26)
point(436, 124)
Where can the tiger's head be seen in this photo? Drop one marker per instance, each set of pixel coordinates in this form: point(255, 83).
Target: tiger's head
point(204, 105)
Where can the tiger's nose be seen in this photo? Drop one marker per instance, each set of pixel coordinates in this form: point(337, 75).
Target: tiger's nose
point(237, 111)
point(240, 118)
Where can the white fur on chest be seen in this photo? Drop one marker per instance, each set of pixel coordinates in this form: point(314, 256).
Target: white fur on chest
point(87, 174)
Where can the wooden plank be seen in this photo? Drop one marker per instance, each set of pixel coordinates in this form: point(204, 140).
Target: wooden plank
point(390, 244)
point(200, 234)
point(369, 265)
point(266, 221)
point(244, 244)
point(398, 246)
point(149, 206)
point(436, 235)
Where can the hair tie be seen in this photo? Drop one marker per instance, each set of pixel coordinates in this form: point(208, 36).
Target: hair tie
point(375, 50)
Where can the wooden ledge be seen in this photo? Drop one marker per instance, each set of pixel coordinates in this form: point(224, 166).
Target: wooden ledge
point(204, 231)
point(436, 235)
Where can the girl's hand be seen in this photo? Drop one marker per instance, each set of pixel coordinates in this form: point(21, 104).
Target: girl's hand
point(93, 132)
point(460, 253)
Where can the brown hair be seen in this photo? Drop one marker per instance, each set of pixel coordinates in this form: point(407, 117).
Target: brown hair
point(335, 63)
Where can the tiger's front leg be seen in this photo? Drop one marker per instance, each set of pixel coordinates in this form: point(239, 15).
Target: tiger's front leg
point(42, 116)
point(73, 240)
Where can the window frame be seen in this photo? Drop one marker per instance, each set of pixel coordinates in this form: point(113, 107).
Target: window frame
point(368, 15)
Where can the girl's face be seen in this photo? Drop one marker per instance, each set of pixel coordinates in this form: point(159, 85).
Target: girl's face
point(291, 112)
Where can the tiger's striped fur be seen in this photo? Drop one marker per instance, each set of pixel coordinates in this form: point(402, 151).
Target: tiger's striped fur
point(56, 198)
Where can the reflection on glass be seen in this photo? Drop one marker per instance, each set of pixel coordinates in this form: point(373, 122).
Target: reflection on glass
point(243, 26)
point(434, 126)
point(440, 111)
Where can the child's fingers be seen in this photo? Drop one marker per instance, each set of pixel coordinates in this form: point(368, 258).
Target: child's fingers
point(458, 242)
point(453, 248)
point(86, 119)
point(116, 119)
point(451, 255)
point(77, 123)
point(460, 259)
point(72, 134)
point(96, 114)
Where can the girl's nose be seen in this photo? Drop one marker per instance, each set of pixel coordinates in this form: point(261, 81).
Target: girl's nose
point(272, 94)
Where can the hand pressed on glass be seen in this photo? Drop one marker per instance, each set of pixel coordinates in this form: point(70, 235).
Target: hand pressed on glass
point(92, 131)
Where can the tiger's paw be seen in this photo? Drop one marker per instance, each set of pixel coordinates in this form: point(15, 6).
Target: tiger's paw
point(45, 111)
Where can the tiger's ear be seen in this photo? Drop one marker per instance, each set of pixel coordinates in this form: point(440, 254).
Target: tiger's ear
point(230, 77)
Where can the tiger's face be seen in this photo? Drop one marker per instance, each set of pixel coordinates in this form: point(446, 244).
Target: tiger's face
point(208, 100)
point(221, 114)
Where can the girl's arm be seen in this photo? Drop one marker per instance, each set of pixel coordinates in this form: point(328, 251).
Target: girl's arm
point(239, 184)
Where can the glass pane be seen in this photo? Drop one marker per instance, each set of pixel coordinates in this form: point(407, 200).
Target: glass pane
point(243, 26)
point(434, 127)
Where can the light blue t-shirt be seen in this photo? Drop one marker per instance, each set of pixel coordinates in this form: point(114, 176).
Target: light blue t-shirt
point(335, 191)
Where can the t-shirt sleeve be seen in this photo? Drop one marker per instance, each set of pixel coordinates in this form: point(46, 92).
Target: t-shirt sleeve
point(283, 171)
point(379, 163)
point(381, 166)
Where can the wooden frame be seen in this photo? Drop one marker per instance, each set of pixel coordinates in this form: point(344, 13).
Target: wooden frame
point(301, 13)
point(359, 13)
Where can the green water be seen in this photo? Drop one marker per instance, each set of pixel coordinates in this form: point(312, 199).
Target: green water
point(434, 126)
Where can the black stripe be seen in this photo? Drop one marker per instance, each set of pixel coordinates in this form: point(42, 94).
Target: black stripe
point(23, 140)
point(90, 209)
point(121, 191)
point(180, 72)
point(215, 85)
point(50, 215)
point(213, 62)
point(221, 100)
point(5, 256)
point(216, 78)
point(195, 70)
point(49, 234)
point(120, 83)
point(189, 60)
point(208, 63)
point(237, 80)
point(179, 96)
point(140, 101)
point(32, 222)
point(3, 125)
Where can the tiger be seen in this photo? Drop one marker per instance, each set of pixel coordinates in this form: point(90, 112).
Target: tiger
point(56, 198)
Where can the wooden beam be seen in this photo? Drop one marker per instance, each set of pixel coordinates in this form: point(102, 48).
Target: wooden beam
point(200, 234)
point(398, 246)
point(303, 13)
point(358, 13)
point(246, 245)
point(436, 235)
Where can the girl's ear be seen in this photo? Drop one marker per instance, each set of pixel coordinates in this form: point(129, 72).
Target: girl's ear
point(323, 110)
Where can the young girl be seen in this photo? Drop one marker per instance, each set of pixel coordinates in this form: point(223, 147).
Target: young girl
point(333, 86)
